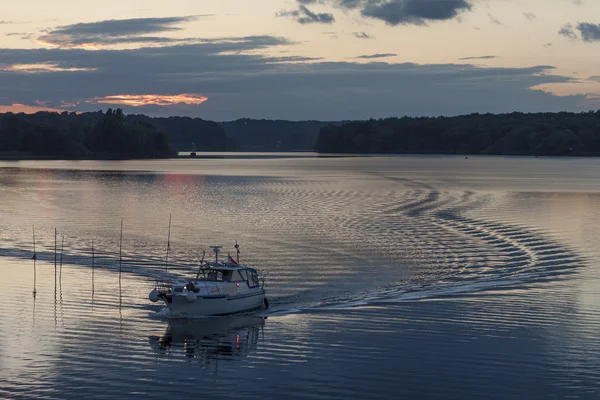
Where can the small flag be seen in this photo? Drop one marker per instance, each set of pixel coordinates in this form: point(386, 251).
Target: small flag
point(231, 260)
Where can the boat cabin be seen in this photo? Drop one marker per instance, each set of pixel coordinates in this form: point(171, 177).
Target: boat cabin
point(231, 274)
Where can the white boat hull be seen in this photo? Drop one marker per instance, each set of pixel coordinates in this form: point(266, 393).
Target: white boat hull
point(217, 305)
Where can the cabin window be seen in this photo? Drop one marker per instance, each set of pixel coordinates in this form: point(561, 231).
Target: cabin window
point(214, 275)
point(244, 275)
point(236, 276)
point(255, 279)
point(227, 275)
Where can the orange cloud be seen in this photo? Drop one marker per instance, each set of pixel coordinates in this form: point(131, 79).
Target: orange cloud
point(137, 100)
point(22, 108)
point(40, 68)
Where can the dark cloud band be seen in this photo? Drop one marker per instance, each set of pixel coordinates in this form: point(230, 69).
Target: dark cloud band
point(240, 82)
point(115, 31)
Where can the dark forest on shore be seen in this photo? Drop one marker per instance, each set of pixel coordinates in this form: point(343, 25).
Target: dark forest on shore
point(544, 134)
point(81, 136)
point(113, 135)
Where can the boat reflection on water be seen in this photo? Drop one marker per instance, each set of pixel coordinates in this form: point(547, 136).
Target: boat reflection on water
point(210, 338)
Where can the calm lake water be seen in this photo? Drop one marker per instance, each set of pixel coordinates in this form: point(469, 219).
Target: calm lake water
point(388, 277)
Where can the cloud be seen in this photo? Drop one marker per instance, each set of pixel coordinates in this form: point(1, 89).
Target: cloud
point(378, 55)
point(239, 81)
point(22, 108)
point(494, 20)
point(589, 32)
point(529, 15)
point(304, 16)
point(418, 12)
point(22, 35)
point(478, 58)
point(400, 12)
point(568, 31)
point(139, 100)
point(39, 68)
point(362, 35)
point(585, 31)
point(113, 32)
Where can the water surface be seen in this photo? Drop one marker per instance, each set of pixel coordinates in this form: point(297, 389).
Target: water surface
point(388, 277)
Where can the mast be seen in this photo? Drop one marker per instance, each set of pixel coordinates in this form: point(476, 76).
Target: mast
point(237, 248)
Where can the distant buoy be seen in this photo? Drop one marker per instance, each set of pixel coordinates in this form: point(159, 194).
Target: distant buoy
point(190, 297)
point(266, 303)
point(153, 296)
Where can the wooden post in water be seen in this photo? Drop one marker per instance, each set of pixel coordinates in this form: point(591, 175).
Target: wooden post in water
point(93, 264)
point(34, 266)
point(62, 249)
point(93, 261)
point(55, 250)
point(168, 246)
point(121, 251)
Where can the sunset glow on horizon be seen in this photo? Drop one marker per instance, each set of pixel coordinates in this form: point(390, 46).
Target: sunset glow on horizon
point(40, 68)
point(151, 99)
point(22, 108)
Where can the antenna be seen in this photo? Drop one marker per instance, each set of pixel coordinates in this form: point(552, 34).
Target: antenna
point(237, 248)
point(216, 249)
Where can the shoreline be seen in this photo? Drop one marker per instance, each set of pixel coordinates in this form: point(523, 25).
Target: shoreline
point(282, 154)
point(99, 157)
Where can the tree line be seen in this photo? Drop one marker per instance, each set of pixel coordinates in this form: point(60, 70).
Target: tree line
point(544, 134)
point(104, 135)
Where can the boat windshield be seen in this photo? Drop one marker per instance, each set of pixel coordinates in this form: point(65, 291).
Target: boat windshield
point(214, 275)
point(222, 275)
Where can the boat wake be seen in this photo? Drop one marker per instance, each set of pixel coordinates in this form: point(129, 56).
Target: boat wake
point(456, 253)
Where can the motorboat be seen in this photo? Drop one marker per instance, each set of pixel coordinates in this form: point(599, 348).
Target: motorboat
point(219, 288)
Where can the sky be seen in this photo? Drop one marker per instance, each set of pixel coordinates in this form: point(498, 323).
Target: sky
point(300, 59)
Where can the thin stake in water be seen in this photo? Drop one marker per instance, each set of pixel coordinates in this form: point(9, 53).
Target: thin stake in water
point(93, 256)
point(34, 262)
point(168, 246)
point(62, 249)
point(55, 250)
point(121, 250)
point(93, 263)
